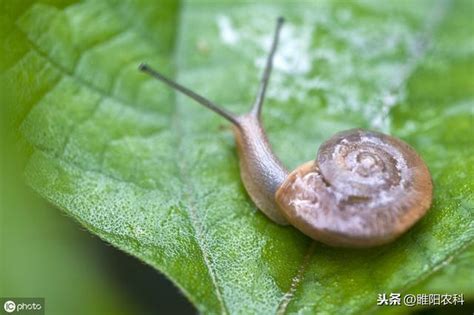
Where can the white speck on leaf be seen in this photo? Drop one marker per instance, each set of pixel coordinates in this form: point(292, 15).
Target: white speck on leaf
point(293, 54)
point(227, 32)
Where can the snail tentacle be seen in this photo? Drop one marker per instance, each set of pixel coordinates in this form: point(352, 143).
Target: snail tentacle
point(257, 107)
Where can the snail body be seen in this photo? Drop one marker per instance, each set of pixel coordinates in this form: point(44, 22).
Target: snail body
point(363, 189)
point(261, 171)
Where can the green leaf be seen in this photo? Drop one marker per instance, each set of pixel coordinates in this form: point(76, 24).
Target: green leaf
point(455, 277)
point(157, 176)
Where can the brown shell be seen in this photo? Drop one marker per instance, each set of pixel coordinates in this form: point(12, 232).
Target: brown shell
point(364, 189)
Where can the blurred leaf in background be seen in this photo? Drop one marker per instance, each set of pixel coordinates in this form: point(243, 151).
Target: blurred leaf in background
point(43, 255)
point(156, 176)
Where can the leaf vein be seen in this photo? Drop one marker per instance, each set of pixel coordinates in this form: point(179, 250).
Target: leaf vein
point(297, 279)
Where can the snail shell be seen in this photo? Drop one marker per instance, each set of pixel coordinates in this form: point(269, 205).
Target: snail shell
point(364, 189)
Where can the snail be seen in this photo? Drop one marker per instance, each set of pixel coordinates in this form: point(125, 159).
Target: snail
point(363, 189)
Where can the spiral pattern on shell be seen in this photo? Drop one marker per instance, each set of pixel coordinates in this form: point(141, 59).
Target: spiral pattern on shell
point(364, 189)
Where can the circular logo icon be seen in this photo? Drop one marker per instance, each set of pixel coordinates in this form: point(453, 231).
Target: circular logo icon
point(9, 306)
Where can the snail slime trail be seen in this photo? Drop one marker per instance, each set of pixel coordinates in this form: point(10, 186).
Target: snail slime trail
point(363, 189)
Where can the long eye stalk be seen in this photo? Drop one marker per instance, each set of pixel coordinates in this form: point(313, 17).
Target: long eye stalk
point(233, 118)
point(257, 107)
point(198, 98)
